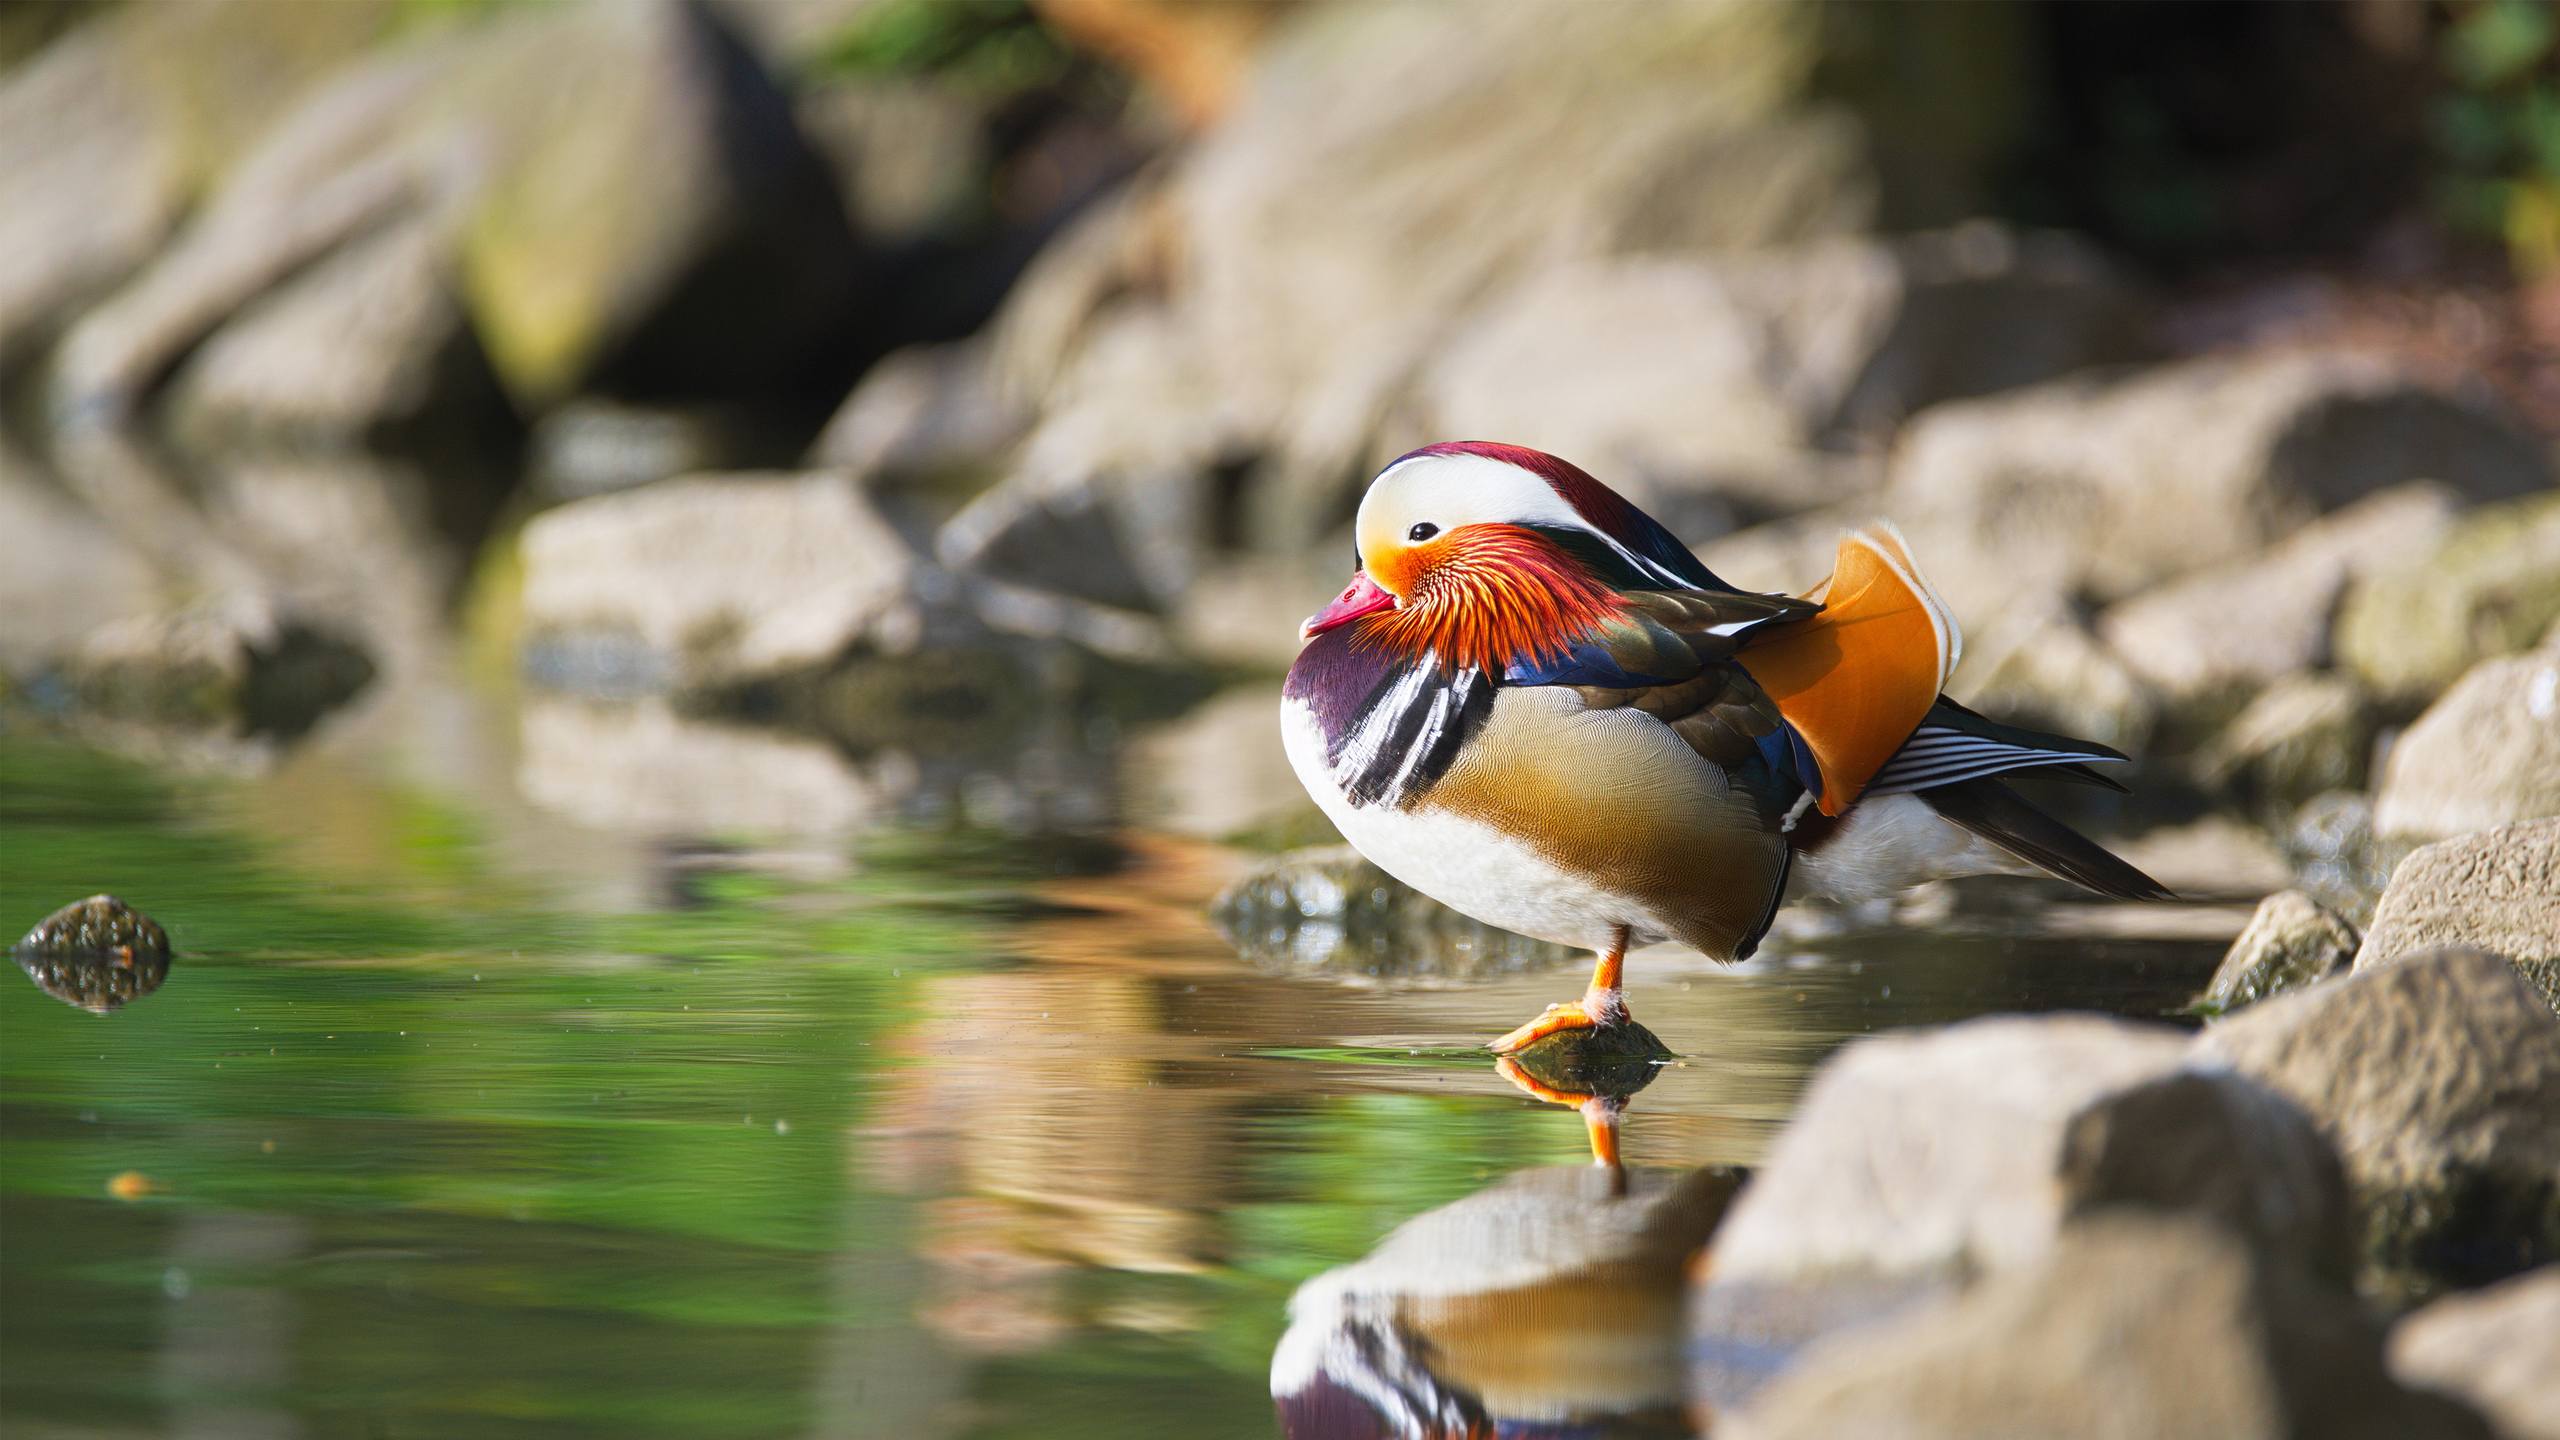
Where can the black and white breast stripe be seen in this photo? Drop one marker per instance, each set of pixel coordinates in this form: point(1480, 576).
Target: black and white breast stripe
point(1409, 731)
point(1941, 755)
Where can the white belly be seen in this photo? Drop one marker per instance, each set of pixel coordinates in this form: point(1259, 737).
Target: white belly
point(1470, 867)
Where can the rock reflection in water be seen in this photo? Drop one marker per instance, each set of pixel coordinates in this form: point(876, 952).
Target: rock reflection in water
point(98, 983)
point(1547, 1304)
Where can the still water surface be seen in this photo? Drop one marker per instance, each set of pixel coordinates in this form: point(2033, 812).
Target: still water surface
point(953, 1144)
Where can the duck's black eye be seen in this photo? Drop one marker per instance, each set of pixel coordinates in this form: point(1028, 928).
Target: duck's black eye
point(1422, 531)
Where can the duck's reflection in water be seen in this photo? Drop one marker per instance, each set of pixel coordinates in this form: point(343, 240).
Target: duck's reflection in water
point(1545, 1305)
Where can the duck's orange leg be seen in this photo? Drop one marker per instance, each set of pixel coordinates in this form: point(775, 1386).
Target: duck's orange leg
point(1604, 1003)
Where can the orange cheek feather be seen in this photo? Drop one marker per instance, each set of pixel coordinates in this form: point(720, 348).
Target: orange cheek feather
point(1484, 595)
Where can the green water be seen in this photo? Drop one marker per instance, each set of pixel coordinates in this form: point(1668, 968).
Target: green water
point(942, 1142)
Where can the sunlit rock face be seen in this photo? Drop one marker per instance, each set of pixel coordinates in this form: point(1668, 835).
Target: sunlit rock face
point(99, 954)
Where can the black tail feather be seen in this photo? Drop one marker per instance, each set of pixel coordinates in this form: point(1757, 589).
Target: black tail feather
point(2082, 775)
point(1993, 811)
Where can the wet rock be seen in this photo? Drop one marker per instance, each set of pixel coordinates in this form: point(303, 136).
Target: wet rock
point(2293, 941)
point(924, 412)
point(2437, 1077)
point(2335, 858)
point(235, 668)
point(99, 925)
point(2490, 1348)
point(2498, 890)
point(713, 580)
point(98, 954)
point(1935, 1155)
point(2488, 588)
point(1328, 910)
point(2486, 754)
point(2139, 1327)
point(2181, 636)
point(108, 135)
point(2301, 736)
point(2109, 487)
point(367, 345)
point(1611, 1063)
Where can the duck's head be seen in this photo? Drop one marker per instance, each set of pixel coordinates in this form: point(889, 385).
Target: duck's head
point(1484, 553)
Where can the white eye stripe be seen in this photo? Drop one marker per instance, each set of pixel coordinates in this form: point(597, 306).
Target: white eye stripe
point(1462, 489)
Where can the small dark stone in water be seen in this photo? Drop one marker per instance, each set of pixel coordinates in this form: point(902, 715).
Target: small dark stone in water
point(99, 954)
point(1615, 1061)
point(101, 924)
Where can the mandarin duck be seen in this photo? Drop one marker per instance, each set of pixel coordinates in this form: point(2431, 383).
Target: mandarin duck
point(1536, 706)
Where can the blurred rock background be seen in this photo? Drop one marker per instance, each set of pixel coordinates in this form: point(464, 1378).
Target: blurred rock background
point(789, 414)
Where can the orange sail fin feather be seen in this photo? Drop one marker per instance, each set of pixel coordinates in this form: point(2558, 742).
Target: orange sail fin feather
point(1857, 679)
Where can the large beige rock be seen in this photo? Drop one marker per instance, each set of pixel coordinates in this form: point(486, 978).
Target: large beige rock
point(370, 341)
point(343, 161)
point(1649, 371)
point(717, 579)
point(1944, 1153)
point(2437, 1076)
point(2497, 889)
point(2489, 587)
point(2110, 487)
point(600, 185)
point(2292, 941)
point(2486, 754)
point(2136, 1328)
point(110, 134)
point(2241, 625)
point(1668, 373)
point(2492, 1349)
point(1369, 184)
